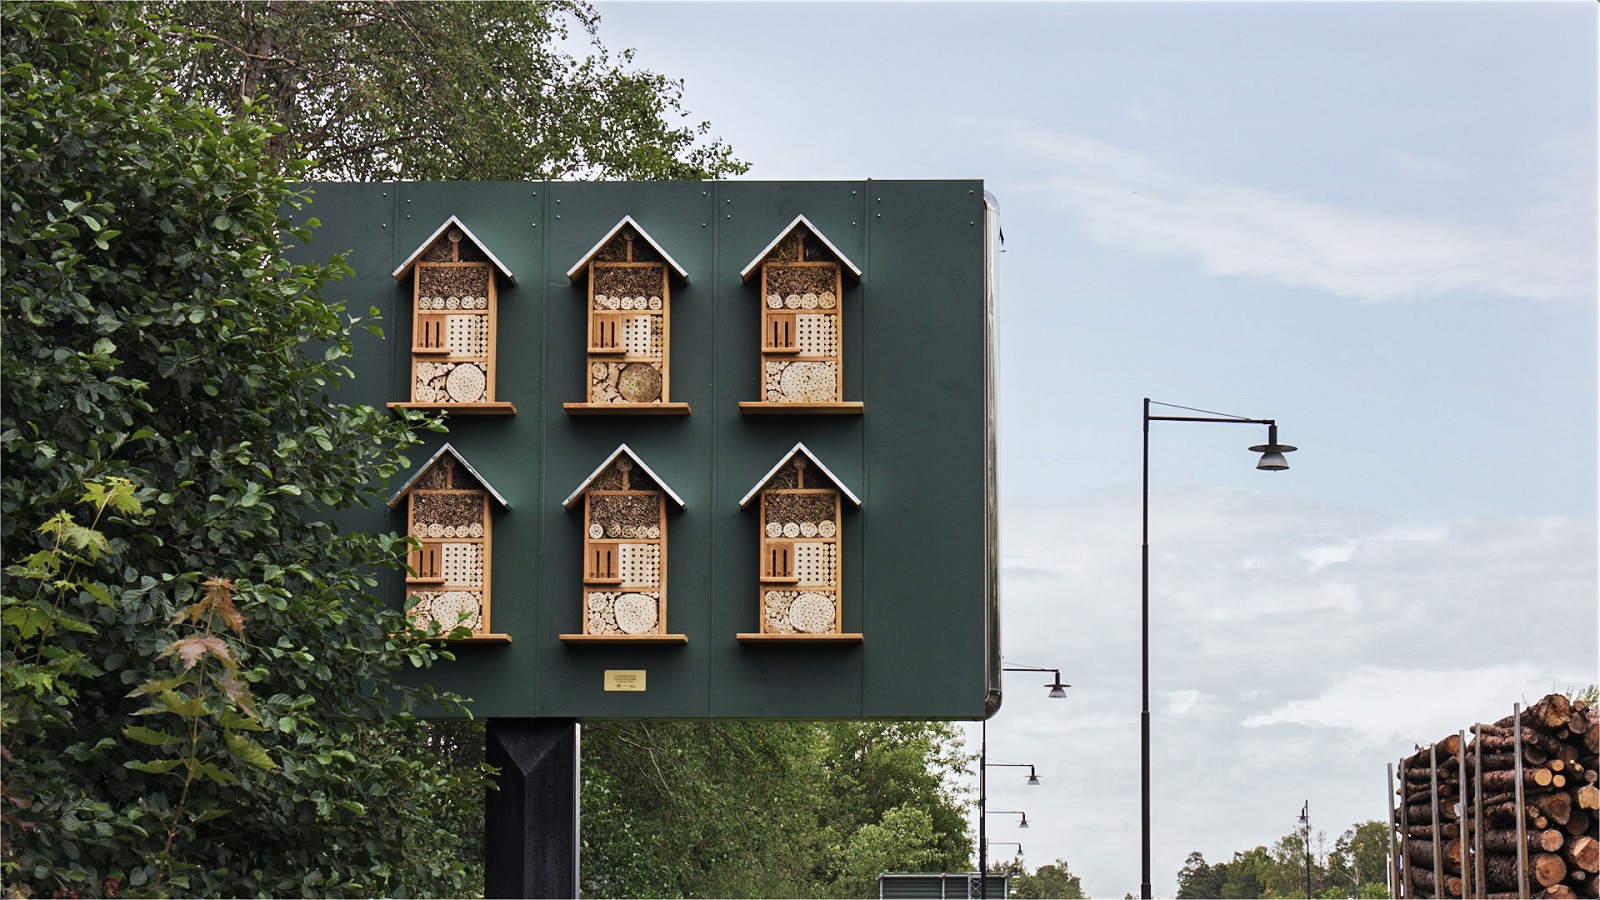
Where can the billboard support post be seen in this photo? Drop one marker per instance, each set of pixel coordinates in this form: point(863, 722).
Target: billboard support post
point(530, 845)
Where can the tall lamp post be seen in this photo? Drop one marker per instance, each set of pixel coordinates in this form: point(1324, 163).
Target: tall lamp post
point(983, 832)
point(1272, 460)
point(1057, 692)
point(1305, 820)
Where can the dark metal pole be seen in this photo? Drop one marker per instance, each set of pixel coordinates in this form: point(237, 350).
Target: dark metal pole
point(1522, 804)
point(1404, 865)
point(1477, 807)
point(1467, 882)
point(983, 799)
point(1144, 626)
point(1393, 875)
point(1307, 812)
point(1144, 674)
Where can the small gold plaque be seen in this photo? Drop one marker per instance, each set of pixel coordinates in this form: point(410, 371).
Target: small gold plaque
point(624, 679)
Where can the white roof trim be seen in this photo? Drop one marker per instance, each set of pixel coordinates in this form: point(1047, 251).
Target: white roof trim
point(411, 260)
point(406, 488)
point(572, 499)
point(577, 268)
point(799, 448)
point(849, 266)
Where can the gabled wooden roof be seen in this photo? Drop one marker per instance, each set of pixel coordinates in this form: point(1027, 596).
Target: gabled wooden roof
point(411, 260)
point(576, 272)
point(800, 448)
point(410, 482)
point(575, 496)
point(749, 271)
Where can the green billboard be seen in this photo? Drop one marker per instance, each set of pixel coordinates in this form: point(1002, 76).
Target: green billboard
point(715, 449)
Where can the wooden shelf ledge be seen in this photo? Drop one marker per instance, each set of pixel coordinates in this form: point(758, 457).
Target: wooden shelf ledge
point(626, 409)
point(839, 408)
point(625, 638)
point(475, 639)
point(493, 408)
point(757, 638)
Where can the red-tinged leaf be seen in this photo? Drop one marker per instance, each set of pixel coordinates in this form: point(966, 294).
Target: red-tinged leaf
point(191, 649)
point(219, 590)
point(239, 693)
point(230, 615)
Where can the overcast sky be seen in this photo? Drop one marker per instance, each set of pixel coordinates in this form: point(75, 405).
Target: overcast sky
point(1374, 222)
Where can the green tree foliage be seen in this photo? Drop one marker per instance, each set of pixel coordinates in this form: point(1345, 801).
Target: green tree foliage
point(1248, 873)
point(875, 768)
point(1198, 879)
point(1357, 866)
point(767, 809)
point(1359, 863)
point(1052, 881)
point(195, 674)
point(488, 90)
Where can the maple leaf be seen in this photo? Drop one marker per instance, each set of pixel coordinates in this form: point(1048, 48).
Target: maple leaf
point(191, 649)
point(219, 601)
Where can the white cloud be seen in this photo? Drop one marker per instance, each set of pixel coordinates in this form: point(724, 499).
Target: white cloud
point(1181, 703)
point(1347, 639)
point(1382, 704)
point(1322, 557)
point(1429, 169)
point(1139, 203)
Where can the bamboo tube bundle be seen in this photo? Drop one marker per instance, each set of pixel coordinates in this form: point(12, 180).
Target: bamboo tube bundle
point(1511, 811)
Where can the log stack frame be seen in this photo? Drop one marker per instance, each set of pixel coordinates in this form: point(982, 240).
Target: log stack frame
point(1469, 819)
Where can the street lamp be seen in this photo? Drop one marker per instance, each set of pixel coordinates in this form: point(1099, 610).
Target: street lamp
point(1011, 843)
point(1015, 812)
point(1272, 460)
point(1305, 820)
point(983, 812)
point(1033, 777)
point(1057, 691)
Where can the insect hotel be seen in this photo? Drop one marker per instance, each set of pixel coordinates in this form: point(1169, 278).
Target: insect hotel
point(629, 280)
point(447, 511)
point(453, 300)
point(800, 535)
point(802, 287)
point(624, 552)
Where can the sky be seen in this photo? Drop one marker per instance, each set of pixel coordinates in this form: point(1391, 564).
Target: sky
point(1373, 222)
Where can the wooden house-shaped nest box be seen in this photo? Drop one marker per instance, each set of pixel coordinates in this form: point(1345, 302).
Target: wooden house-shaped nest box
point(801, 551)
point(629, 312)
point(802, 278)
point(624, 552)
point(454, 297)
point(447, 507)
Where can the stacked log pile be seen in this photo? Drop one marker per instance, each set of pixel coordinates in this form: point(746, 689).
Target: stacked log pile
point(1463, 825)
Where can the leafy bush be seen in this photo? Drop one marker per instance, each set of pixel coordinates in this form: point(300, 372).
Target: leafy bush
point(197, 679)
